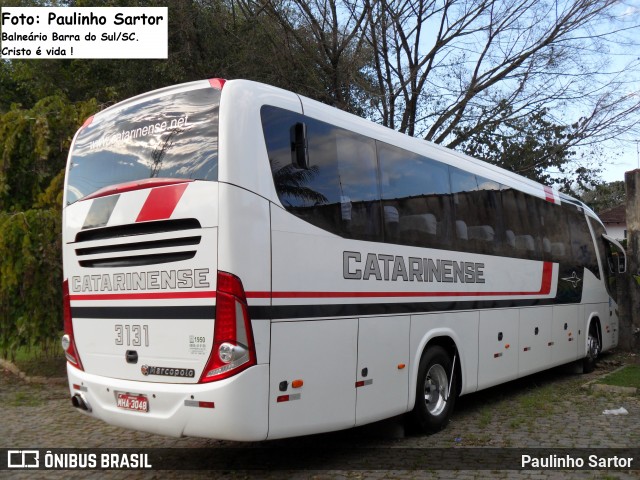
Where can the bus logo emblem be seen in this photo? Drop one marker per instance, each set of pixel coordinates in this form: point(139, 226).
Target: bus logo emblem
point(168, 371)
point(574, 279)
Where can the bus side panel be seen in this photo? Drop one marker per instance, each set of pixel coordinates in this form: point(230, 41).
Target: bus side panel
point(564, 334)
point(243, 154)
point(462, 328)
point(498, 352)
point(609, 327)
point(244, 242)
point(383, 373)
point(535, 340)
point(322, 355)
point(597, 304)
point(613, 324)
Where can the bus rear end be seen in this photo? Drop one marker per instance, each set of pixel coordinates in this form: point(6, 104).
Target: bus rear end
point(157, 338)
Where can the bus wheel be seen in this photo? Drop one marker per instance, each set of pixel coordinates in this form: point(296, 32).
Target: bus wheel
point(593, 349)
point(434, 399)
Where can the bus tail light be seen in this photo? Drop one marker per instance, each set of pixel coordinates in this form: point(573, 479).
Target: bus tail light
point(233, 347)
point(68, 340)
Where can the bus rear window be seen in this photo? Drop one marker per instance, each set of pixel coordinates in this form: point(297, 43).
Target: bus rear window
point(173, 136)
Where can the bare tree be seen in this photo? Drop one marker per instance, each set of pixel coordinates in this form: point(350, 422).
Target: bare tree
point(325, 39)
point(447, 70)
point(499, 79)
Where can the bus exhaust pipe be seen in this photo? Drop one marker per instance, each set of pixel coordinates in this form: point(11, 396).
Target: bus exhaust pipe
point(79, 402)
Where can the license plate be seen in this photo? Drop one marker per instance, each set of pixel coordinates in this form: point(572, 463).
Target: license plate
point(128, 401)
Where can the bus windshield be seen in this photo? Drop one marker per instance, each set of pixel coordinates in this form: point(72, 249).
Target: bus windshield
point(172, 136)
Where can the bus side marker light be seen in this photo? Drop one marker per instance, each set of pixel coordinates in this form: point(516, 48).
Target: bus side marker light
point(526, 349)
point(497, 355)
point(362, 383)
point(287, 398)
point(401, 366)
point(507, 346)
point(297, 384)
point(82, 388)
point(550, 344)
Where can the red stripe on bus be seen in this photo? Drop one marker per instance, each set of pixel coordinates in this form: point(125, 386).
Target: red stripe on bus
point(393, 294)
point(161, 202)
point(548, 192)
point(547, 275)
point(135, 185)
point(144, 296)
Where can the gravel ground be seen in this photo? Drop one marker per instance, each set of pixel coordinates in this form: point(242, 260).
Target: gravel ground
point(547, 410)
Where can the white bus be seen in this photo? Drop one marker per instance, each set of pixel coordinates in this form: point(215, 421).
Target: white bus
point(244, 263)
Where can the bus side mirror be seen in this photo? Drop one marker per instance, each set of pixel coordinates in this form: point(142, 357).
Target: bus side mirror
point(299, 147)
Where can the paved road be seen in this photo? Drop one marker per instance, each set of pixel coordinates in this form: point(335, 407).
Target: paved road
point(545, 410)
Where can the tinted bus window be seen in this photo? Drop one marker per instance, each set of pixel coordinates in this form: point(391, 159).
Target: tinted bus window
point(174, 136)
point(476, 207)
point(416, 198)
point(607, 257)
point(521, 225)
point(582, 248)
point(339, 190)
point(556, 234)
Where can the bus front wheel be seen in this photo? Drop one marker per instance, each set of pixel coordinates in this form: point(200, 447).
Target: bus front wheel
point(435, 391)
point(593, 349)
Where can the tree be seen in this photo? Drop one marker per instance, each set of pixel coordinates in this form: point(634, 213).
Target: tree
point(200, 46)
point(324, 42)
point(534, 147)
point(455, 71)
point(605, 196)
point(34, 144)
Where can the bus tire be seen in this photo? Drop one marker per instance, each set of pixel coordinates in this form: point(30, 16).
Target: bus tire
point(434, 403)
point(593, 349)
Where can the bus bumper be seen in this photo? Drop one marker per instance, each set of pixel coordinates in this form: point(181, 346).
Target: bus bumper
point(240, 405)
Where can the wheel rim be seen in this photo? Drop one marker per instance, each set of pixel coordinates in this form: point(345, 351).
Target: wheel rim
point(436, 390)
point(592, 347)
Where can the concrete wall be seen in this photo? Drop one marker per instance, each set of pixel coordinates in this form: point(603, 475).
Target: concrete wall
point(629, 284)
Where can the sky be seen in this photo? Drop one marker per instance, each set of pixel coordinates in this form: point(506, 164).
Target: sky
point(625, 153)
point(628, 160)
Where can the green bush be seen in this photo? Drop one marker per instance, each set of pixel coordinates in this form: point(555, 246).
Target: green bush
point(34, 143)
point(30, 279)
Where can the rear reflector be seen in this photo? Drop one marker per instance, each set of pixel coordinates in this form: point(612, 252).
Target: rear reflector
point(196, 403)
point(288, 398)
